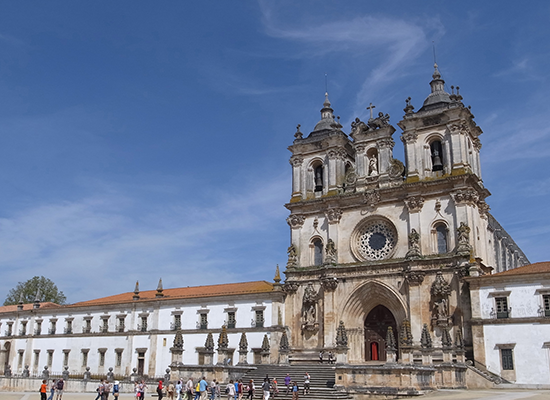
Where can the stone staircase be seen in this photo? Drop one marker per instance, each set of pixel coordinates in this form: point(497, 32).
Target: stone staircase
point(480, 369)
point(321, 383)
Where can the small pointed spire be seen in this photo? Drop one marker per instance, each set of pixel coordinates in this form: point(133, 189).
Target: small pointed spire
point(436, 74)
point(20, 304)
point(159, 289)
point(37, 299)
point(327, 101)
point(277, 278)
point(136, 291)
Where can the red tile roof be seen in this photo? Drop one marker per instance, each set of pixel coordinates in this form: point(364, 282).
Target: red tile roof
point(185, 293)
point(26, 307)
point(536, 268)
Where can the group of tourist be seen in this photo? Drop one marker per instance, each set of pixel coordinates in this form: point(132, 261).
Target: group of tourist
point(189, 390)
point(56, 387)
point(292, 385)
point(330, 357)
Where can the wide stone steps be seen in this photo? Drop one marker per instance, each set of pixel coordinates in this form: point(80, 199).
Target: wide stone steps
point(321, 382)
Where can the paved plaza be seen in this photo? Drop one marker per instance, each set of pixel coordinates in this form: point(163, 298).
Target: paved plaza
point(439, 395)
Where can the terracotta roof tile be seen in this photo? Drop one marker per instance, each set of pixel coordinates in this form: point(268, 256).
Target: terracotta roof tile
point(536, 268)
point(13, 308)
point(185, 293)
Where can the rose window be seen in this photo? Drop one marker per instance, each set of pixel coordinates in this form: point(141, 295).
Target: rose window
point(375, 240)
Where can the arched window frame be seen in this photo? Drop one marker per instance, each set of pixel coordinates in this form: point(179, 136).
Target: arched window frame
point(314, 165)
point(435, 242)
point(430, 140)
point(312, 242)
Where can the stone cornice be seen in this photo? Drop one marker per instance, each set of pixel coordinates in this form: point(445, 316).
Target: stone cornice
point(505, 321)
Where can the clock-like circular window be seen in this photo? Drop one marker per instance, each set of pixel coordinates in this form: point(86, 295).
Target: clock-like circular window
point(374, 239)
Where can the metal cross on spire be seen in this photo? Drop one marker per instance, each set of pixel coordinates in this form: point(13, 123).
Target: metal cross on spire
point(370, 108)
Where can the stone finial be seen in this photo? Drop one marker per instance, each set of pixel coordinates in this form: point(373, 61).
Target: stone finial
point(265, 344)
point(446, 340)
point(209, 344)
point(87, 374)
point(26, 372)
point(178, 341)
point(405, 336)
point(136, 291)
point(223, 340)
point(7, 371)
point(167, 375)
point(277, 278)
point(65, 373)
point(409, 107)
point(159, 289)
point(390, 340)
point(298, 134)
point(341, 335)
point(283, 344)
point(45, 373)
point(425, 338)
point(37, 299)
point(243, 343)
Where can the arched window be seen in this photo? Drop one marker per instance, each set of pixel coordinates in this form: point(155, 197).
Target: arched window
point(317, 252)
point(318, 177)
point(441, 233)
point(437, 155)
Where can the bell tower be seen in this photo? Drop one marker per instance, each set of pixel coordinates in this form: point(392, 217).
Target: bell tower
point(441, 139)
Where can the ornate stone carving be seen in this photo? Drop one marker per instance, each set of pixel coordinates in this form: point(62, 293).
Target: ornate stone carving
point(265, 344)
point(329, 283)
point(333, 154)
point(309, 309)
point(283, 344)
point(463, 246)
point(386, 143)
point(296, 220)
point(290, 287)
point(296, 161)
point(459, 342)
point(167, 375)
point(390, 340)
point(405, 335)
point(371, 197)
point(414, 203)
point(483, 208)
point(298, 134)
point(425, 338)
point(408, 107)
point(243, 343)
point(292, 257)
point(358, 126)
point(446, 340)
point(223, 340)
point(350, 180)
point(341, 335)
point(396, 169)
point(331, 253)
point(409, 137)
point(414, 245)
point(378, 122)
point(414, 277)
point(477, 144)
point(465, 196)
point(373, 165)
point(458, 127)
point(440, 291)
point(209, 343)
point(333, 215)
point(178, 342)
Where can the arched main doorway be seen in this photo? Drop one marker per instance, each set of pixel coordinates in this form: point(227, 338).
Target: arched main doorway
point(376, 327)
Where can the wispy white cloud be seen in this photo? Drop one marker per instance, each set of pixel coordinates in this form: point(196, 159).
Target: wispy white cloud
point(522, 69)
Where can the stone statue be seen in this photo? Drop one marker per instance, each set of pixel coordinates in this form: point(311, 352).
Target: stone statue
point(414, 245)
point(373, 165)
point(378, 122)
point(358, 126)
point(440, 291)
point(463, 246)
point(292, 257)
point(167, 375)
point(309, 309)
point(331, 254)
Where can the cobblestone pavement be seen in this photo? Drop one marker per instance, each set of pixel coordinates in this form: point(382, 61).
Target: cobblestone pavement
point(439, 395)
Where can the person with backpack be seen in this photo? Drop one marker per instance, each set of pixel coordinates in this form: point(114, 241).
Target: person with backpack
point(266, 387)
point(230, 390)
point(116, 389)
point(59, 388)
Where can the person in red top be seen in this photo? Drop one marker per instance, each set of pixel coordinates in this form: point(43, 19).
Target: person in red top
point(159, 390)
point(43, 390)
point(240, 389)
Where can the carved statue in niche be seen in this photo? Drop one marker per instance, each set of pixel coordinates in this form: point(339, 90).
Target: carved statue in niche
point(373, 165)
point(463, 246)
point(331, 254)
point(309, 309)
point(440, 291)
point(292, 257)
point(414, 245)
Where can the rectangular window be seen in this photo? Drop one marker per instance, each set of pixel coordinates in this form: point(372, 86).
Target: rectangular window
point(87, 326)
point(36, 359)
point(23, 331)
point(105, 325)
point(546, 300)
point(38, 329)
point(502, 307)
point(50, 358)
point(507, 359)
point(66, 357)
point(121, 324)
point(177, 322)
point(53, 326)
point(231, 320)
point(143, 324)
point(20, 362)
point(204, 321)
point(9, 331)
point(84, 358)
point(259, 318)
point(102, 358)
point(69, 327)
point(118, 360)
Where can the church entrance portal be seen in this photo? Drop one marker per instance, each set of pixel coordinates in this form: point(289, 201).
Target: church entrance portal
point(376, 328)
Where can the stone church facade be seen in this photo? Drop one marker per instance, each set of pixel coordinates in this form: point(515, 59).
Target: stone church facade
point(381, 247)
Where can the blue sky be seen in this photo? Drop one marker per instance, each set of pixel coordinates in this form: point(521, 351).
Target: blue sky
point(141, 140)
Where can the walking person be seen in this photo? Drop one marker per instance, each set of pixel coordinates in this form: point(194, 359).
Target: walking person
point(321, 357)
point(179, 390)
point(230, 390)
point(266, 387)
point(295, 393)
point(203, 387)
point(170, 391)
point(44, 390)
point(116, 389)
point(106, 390)
point(274, 387)
point(159, 390)
point(307, 379)
point(189, 388)
point(251, 389)
point(59, 389)
point(241, 389)
point(52, 389)
point(288, 381)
